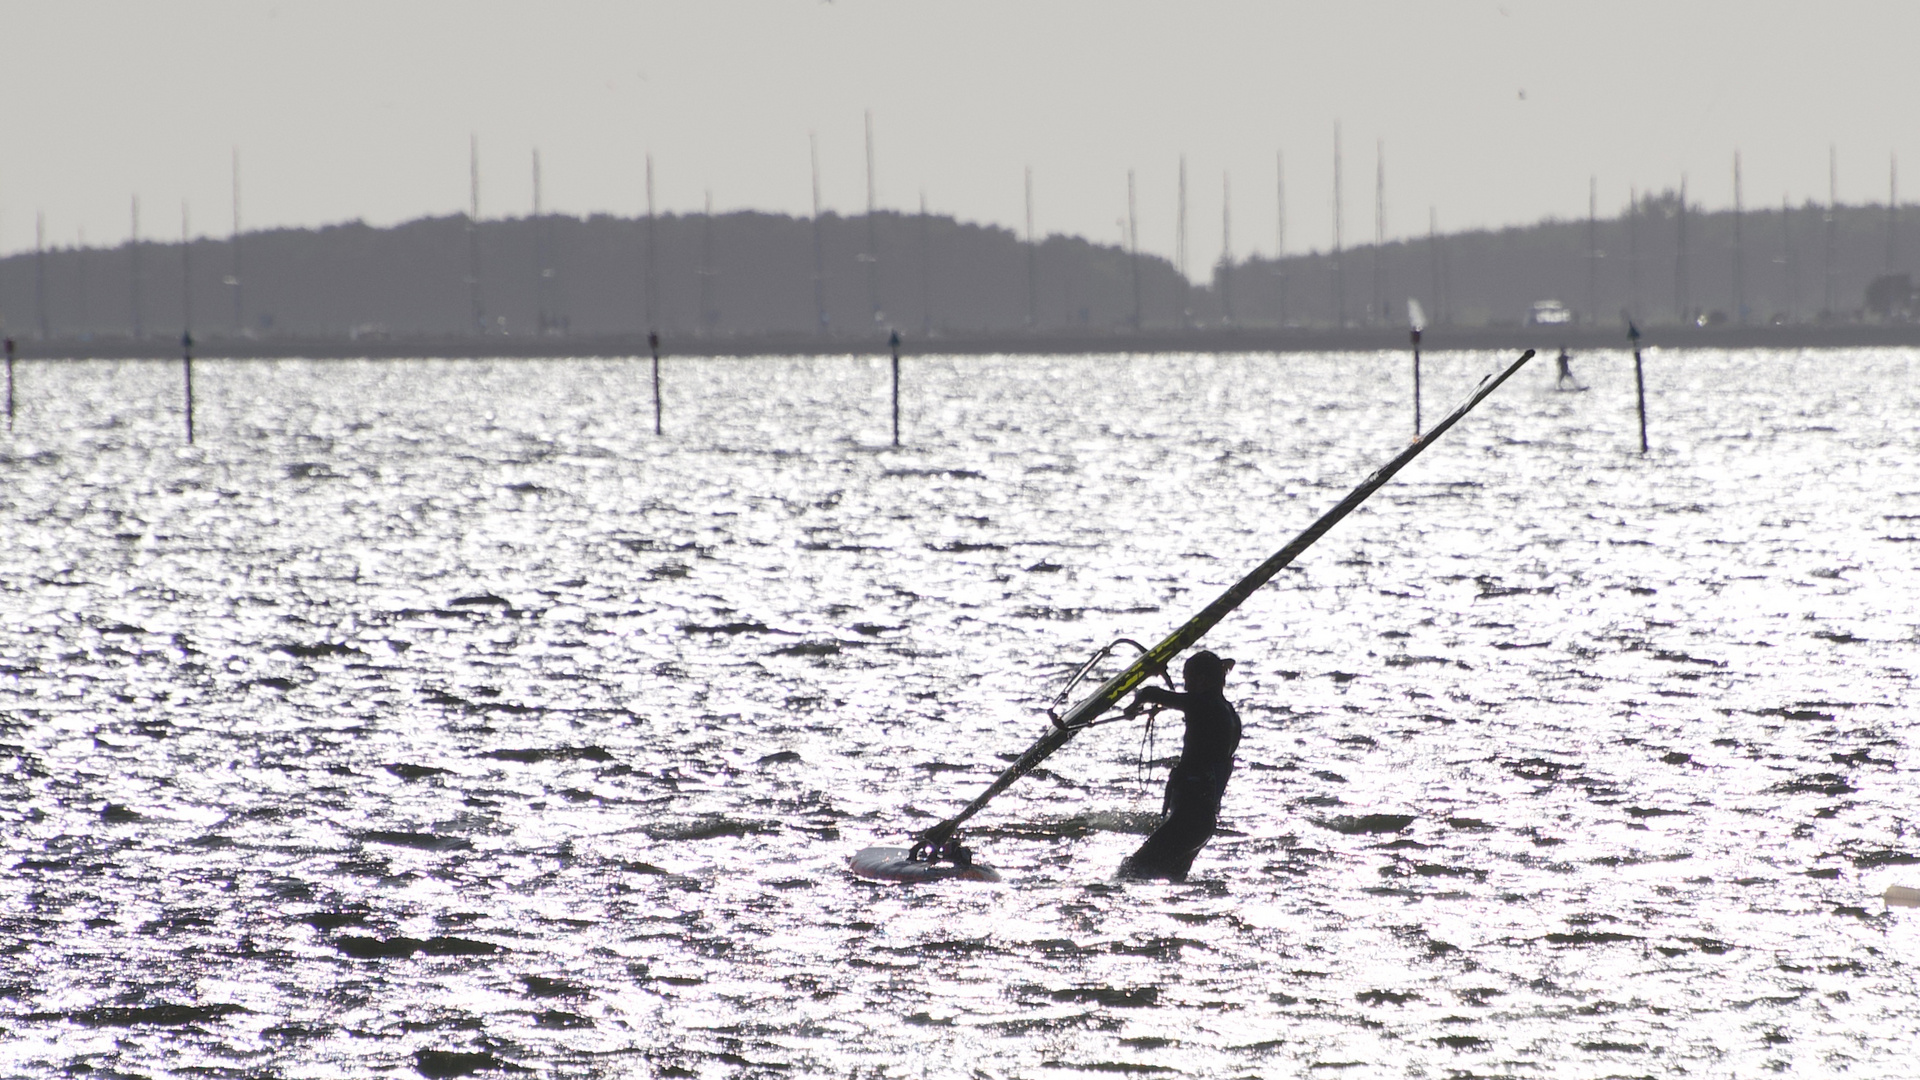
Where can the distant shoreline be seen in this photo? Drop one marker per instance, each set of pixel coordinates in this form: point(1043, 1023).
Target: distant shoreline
point(1045, 343)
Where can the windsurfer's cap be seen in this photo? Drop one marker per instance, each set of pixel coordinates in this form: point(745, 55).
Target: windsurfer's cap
point(1205, 667)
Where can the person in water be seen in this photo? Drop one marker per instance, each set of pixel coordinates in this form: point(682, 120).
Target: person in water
point(1565, 362)
point(1191, 808)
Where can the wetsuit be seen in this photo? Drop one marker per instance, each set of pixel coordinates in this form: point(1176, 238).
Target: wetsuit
point(1191, 808)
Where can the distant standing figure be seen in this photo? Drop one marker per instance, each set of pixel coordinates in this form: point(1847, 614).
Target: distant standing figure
point(1565, 362)
point(1191, 808)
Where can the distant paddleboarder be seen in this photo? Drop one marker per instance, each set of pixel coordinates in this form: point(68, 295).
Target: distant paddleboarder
point(1565, 368)
point(1191, 808)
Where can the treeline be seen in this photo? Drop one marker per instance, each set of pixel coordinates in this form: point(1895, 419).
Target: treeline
point(748, 273)
point(736, 273)
point(1665, 263)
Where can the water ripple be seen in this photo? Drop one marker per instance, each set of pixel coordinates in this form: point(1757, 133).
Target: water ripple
point(435, 717)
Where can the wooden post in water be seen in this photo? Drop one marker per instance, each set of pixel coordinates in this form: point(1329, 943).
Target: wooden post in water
point(1416, 379)
point(186, 369)
point(1639, 383)
point(1416, 322)
point(9, 385)
point(894, 341)
point(653, 342)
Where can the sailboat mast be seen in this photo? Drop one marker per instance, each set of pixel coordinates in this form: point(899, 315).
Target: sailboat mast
point(873, 243)
point(235, 280)
point(473, 234)
point(1226, 247)
point(819, 255)
point(133, 270)
point(1339, 256)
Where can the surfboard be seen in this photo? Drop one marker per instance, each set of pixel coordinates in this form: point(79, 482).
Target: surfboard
point(892, 864)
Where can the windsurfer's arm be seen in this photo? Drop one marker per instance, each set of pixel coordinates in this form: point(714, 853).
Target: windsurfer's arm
point(1156, 696)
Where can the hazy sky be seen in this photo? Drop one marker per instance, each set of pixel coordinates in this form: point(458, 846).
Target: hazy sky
point(1492, 113)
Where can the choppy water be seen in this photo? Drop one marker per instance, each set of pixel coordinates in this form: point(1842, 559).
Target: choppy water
point(436, 717)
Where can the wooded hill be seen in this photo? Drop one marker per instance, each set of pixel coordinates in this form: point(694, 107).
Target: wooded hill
point(1663, 265)
point(750, 273)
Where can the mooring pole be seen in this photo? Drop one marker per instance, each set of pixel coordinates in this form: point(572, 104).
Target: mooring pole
point(1416, 322)
point(1639, 384)
point(895, 342)
point(9, 385)
point(1415, 334)
point(186, 369)
point(653, 342)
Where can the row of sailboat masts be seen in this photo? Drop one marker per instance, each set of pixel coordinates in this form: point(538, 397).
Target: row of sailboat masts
point(137, 271)
point(550, 317)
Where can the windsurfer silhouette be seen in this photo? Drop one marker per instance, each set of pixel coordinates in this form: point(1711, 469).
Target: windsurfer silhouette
point(1191, 809)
